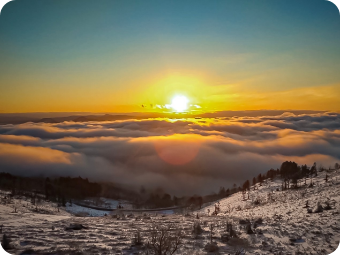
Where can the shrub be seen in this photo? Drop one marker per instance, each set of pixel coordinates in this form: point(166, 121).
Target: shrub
point(257, 201)
point(225, 237)
point(249, 230)
point(230, 230)
point(318, 208)
point(328, 206)
point(137, 240)
point(238, 208)
point(164, 239)
point(239, 252)
point(211, 247)
point(197, 230)
point(5, 242)
point(259, 221)
point(81, 214)
point(238, 243)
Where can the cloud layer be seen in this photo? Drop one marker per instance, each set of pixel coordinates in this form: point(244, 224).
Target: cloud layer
point(182, 156)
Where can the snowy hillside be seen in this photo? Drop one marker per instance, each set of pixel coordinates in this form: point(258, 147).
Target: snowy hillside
point(271, 221)
point(286, 226)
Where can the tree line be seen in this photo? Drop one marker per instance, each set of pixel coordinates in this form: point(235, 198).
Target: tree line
point(63, 189)
point(60, 189)
point(290, 172)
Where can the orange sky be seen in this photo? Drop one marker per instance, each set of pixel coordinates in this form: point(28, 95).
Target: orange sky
point(118, 56)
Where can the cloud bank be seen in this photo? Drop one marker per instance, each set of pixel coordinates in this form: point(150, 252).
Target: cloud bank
point(182, 156)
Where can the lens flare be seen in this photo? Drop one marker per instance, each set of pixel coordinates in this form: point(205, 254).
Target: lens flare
point(178, 149)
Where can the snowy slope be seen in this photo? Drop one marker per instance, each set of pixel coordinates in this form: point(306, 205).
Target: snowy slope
point(286, 227)
point(285, 217)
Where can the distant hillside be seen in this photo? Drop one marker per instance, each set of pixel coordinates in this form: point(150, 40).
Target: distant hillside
point(19, 118)
point(106, 117)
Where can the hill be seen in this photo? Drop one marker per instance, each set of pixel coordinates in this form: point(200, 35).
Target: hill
point(264, 220)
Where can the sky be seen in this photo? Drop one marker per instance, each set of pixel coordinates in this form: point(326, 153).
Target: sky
point(262, 76)
point(135, 56)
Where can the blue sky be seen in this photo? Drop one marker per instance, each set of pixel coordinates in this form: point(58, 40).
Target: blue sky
point(115, 47)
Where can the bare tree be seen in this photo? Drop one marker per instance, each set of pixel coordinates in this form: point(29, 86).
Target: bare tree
point(211, 228)
point(16, 205)
point(164, 239)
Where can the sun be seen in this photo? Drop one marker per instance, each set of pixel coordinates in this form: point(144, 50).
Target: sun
point(179, 103)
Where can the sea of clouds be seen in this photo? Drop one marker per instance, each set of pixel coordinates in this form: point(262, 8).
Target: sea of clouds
point(182, 156)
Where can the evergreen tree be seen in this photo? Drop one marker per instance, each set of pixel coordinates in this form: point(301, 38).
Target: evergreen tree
point(221, 193)
point(336, 166)
point(254, 181)
point(200, 201)
point(234, 190)
point(246, 185)
point(63, 201)
point(305, 172)
point(260, 179)
point(227, 193)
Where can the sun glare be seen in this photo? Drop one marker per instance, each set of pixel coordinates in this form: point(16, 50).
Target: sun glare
point(179, 103)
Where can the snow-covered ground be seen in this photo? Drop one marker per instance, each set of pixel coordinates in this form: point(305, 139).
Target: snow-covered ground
point(286, 227)
point(109, 204)
point(84, 211)
point(285, 216)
